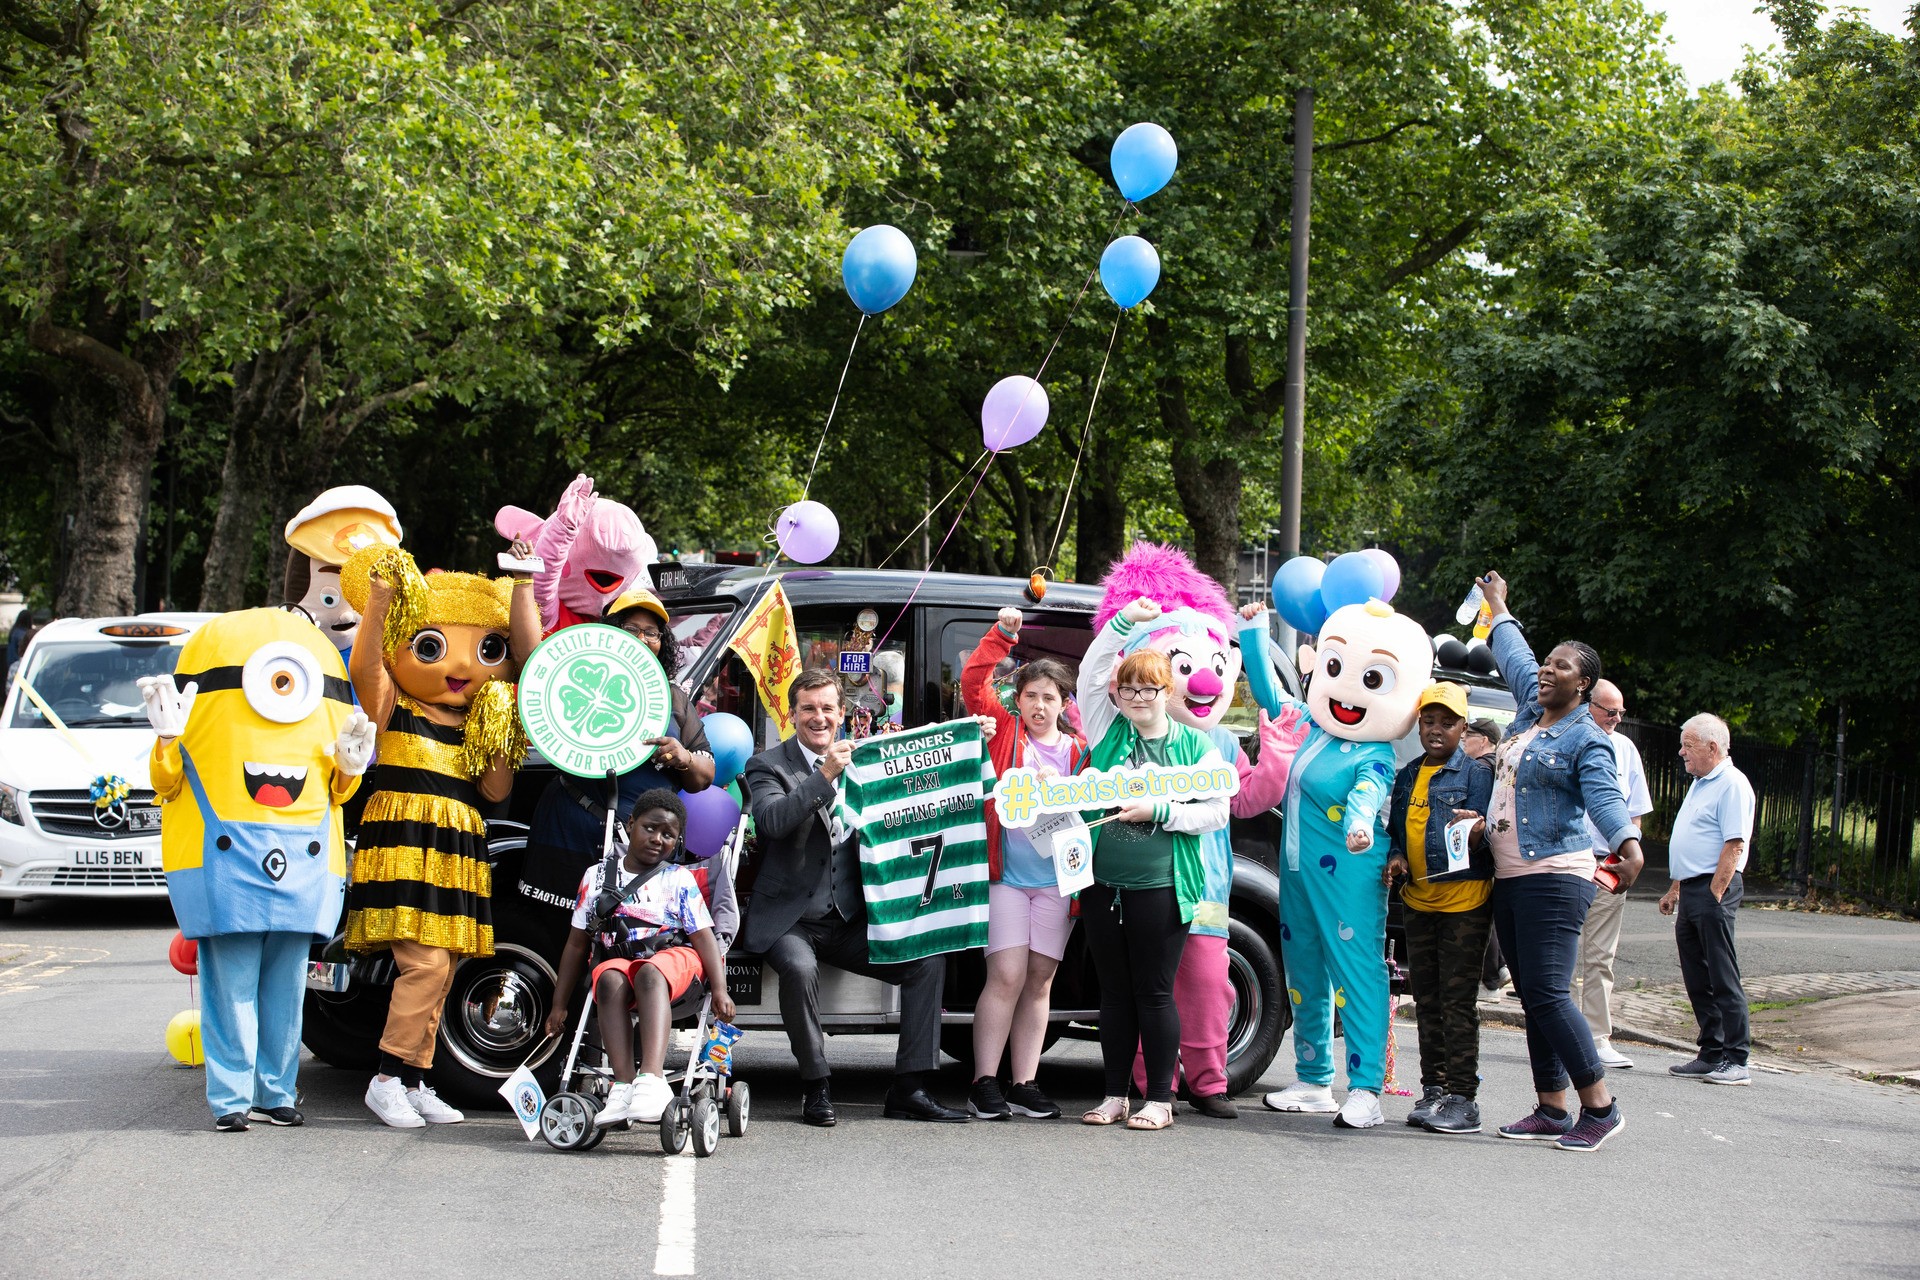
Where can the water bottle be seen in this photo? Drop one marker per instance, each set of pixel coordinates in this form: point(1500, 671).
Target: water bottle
point(1471, 605)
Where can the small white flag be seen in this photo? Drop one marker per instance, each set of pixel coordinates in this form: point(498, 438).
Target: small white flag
point(524, 1094)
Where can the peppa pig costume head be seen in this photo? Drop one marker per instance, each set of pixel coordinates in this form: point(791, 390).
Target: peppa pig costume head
point(1368, 673)
point(1195, 629)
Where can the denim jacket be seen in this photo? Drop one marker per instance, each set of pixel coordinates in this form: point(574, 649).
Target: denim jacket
point(1567, 773)
point(1461, 783)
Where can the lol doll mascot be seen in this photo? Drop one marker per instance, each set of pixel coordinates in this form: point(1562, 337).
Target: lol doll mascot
point(1195, 630)
point(258, 744)
point(434, 677)
point(1364, 685)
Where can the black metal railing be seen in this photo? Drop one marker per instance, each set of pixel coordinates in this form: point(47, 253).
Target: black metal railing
point(1852, 835)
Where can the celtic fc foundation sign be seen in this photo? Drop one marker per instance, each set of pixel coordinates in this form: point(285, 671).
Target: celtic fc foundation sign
point(590, 697)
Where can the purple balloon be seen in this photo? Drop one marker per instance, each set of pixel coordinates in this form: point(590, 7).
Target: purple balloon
point(1014, 412)
point(807, 532)
point(1389, 570)
point(711, 817)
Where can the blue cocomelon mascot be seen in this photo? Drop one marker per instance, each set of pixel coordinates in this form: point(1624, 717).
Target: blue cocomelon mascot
point(259, 743)
point(1365, 678)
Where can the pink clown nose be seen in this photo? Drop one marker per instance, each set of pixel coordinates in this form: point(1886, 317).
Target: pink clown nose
point(1204, 683)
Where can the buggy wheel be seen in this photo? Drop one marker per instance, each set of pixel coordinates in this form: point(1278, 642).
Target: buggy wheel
point(706, 1127)
point(599, 1134)
point(739, 1101)
point(674, 1129)
point(566, 1122)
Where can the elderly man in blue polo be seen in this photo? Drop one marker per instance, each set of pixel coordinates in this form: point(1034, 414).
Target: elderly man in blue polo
point(1712, 836)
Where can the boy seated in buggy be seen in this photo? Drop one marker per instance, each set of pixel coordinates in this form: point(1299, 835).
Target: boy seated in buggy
point(651, 935)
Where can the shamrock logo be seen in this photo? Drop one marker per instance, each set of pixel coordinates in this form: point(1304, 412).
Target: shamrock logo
point(596, 700)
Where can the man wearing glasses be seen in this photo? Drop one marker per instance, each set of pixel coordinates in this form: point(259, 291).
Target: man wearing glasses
point(1600, 940)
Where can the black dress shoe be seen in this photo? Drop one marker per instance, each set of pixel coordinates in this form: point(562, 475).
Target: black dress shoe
point(920, 1105)
point(816, 1107)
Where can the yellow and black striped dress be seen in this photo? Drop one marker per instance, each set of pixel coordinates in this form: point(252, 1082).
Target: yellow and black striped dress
point(420, 871)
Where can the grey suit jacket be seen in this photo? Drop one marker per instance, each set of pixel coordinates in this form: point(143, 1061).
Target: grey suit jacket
point(791, 805)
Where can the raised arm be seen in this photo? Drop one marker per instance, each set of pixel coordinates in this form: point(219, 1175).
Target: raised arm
point(555, 542)
point(976, 678)
point(372, 684)
point(1097, 712)
point(1511, 653)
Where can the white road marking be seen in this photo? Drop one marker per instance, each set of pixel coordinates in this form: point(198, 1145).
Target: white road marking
point(674, 1254)
point(50, 962)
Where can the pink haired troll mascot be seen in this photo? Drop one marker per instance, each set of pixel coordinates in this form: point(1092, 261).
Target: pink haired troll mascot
point(593, 549)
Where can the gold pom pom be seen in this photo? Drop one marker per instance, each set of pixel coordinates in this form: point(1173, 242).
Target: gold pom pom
point(408, 612)
point(493, 729)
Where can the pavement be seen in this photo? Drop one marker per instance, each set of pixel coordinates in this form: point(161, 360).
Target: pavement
point(108, 1166)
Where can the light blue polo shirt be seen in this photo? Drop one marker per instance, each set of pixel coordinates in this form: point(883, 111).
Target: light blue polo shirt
point(1718, 808)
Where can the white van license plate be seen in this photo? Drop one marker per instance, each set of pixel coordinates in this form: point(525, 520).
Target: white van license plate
point(117, 858)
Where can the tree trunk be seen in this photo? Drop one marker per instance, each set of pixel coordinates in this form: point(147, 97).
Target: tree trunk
point(1209, 492)
point(1100, 511)
point(113, 410)
point(269, 402)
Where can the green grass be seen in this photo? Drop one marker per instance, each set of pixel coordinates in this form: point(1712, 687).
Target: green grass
point(1762, 1006)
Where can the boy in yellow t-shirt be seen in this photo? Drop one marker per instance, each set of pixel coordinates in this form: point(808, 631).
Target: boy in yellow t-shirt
point(1447, 907)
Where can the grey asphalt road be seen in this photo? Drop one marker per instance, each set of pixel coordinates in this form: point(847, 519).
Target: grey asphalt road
point(108, 1167)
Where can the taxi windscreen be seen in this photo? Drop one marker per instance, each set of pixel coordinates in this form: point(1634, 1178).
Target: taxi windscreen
point(90, 684)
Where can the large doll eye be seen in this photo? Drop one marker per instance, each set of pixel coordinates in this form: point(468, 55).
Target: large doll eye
point(1379, 678)
point(1331, 666)
point(429, 646)
point(282, 682)
point(493, 649)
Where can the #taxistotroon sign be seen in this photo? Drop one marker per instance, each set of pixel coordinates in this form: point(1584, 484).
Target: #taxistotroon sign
point(1023, 795)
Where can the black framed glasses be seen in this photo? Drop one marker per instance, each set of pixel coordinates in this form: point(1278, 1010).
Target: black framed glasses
point(1140, 693)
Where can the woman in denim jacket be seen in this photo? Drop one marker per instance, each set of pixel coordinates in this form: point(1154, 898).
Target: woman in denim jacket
point(1554, 768)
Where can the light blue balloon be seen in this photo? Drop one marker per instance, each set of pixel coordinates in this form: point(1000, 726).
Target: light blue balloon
point(1296, 594)
point(731, 742)
point(1353, 578)
point(878, 268)
point(1129, 269)
point(1143, 160)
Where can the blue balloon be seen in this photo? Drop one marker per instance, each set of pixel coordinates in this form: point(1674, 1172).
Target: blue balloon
point(1129, 269)
point(1143, 160)
point(1353, 578)
point(1296, 594)
point(878, 268)
point(731, 742)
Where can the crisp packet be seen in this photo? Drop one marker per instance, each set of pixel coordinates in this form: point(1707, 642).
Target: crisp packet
point(721, 1037)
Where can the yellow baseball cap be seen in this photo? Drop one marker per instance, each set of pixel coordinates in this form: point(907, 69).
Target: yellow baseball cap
point(1445, 693)
point(639, 598)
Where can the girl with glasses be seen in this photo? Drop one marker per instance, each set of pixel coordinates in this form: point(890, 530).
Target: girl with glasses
point(1147, 870)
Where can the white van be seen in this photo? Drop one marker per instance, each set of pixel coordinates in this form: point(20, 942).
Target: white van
point(71, 728)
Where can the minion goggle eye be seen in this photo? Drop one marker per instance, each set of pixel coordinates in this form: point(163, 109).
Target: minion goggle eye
point(282, 682)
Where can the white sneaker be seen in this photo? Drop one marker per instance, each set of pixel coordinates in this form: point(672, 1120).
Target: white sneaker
point(1300, 1096)
point(388, 1100)
point(651, 1094)
point(1610, 1056)
point(619, 1104)
point(425, 1101)
point(1362, 1111)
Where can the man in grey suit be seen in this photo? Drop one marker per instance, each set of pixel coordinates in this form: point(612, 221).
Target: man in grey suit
point(807, 908)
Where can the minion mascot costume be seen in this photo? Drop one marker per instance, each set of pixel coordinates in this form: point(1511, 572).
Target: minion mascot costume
point(435, 681)
point(258, 746)
point(1365, 685)
point(320, 537)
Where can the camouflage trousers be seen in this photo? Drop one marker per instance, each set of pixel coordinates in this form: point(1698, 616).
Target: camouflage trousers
point(1444, 950)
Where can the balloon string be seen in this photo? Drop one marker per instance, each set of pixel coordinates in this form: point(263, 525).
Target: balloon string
point(1092, 275)
point(807, 488)
point(928, 568)
point(1086, 433)
point(930, 510)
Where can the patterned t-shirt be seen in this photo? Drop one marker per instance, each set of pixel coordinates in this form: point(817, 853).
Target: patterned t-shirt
point(669, 901)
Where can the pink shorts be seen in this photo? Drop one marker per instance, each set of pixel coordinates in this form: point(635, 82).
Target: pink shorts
point(1038, 919)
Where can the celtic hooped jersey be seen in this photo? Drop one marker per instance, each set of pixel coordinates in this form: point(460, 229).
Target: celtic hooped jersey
point(917, 800)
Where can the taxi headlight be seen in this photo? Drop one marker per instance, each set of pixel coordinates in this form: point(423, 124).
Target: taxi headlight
point(10, 805)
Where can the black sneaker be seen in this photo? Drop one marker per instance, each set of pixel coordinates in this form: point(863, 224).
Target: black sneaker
point(283, 1117)
point(1027, 1100)
point(1423, 1110)
point(1698, 1069)
point(1454, 1114)
point(232, 1122)
point(986, 1102)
